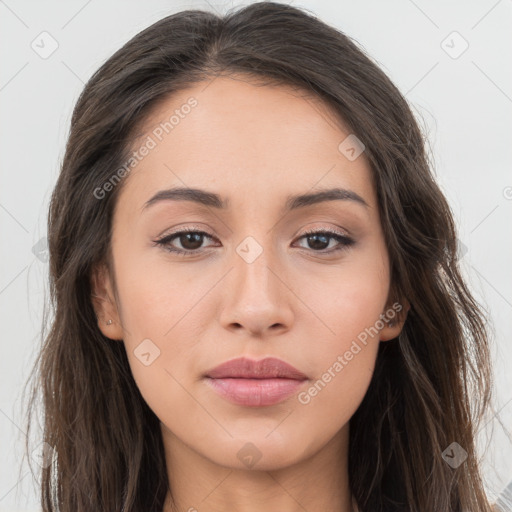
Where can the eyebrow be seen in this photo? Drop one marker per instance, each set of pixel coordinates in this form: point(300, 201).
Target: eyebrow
point(293, 202)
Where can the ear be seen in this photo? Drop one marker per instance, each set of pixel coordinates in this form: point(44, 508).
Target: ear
point(104, 303)
point(394, 317)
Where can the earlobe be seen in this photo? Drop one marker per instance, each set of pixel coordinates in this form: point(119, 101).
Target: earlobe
point(104, 303)
point(390, 331)
point(394, 323)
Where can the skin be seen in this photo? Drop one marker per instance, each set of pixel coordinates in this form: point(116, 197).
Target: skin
point(253, 145)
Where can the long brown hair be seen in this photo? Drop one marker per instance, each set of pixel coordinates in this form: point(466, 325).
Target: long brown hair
point(431, 385)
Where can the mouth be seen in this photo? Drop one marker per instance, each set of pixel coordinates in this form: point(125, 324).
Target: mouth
point(253, 383)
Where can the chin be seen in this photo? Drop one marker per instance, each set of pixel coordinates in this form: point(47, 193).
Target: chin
point(257, 453)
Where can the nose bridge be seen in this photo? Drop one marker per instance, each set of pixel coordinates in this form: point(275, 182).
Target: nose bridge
point(256, 298)
point(255, 264)
point(255, 255)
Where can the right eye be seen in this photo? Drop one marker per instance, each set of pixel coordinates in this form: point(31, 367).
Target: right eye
point(190, 240)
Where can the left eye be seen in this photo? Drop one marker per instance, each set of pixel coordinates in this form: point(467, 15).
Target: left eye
point(191, 241)
point(320, 238)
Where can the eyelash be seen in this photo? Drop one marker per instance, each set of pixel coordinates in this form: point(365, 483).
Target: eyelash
point(345, 241)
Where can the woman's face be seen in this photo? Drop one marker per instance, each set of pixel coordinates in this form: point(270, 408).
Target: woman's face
point(255, 285)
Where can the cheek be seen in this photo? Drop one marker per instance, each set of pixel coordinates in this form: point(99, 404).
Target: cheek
point(345, 329)
point(156, 311)
point(158, 296)
point(328, 403)
point(160, 338)
point(345, 299)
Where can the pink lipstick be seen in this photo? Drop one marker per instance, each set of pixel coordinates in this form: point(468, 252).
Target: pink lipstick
point(253, 383)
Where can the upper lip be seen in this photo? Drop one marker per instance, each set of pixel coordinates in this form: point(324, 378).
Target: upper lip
point(267, 368)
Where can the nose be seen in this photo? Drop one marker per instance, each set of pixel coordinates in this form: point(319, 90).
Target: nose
point(258, 297)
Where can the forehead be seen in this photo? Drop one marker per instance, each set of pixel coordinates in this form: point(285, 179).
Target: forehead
point(258, 141)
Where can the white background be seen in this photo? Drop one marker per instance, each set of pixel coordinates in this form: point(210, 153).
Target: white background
point(464, 105)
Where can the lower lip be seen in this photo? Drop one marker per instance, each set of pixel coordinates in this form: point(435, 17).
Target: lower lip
point(255, 392)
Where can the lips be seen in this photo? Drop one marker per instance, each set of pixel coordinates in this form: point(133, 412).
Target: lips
point(253, 383)
point(268, 368)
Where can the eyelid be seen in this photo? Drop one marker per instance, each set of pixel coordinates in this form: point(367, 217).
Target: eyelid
point(317, 229)
point(186, 229)
point(321, 229)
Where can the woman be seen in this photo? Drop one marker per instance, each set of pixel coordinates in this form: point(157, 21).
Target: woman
point(258, 304)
